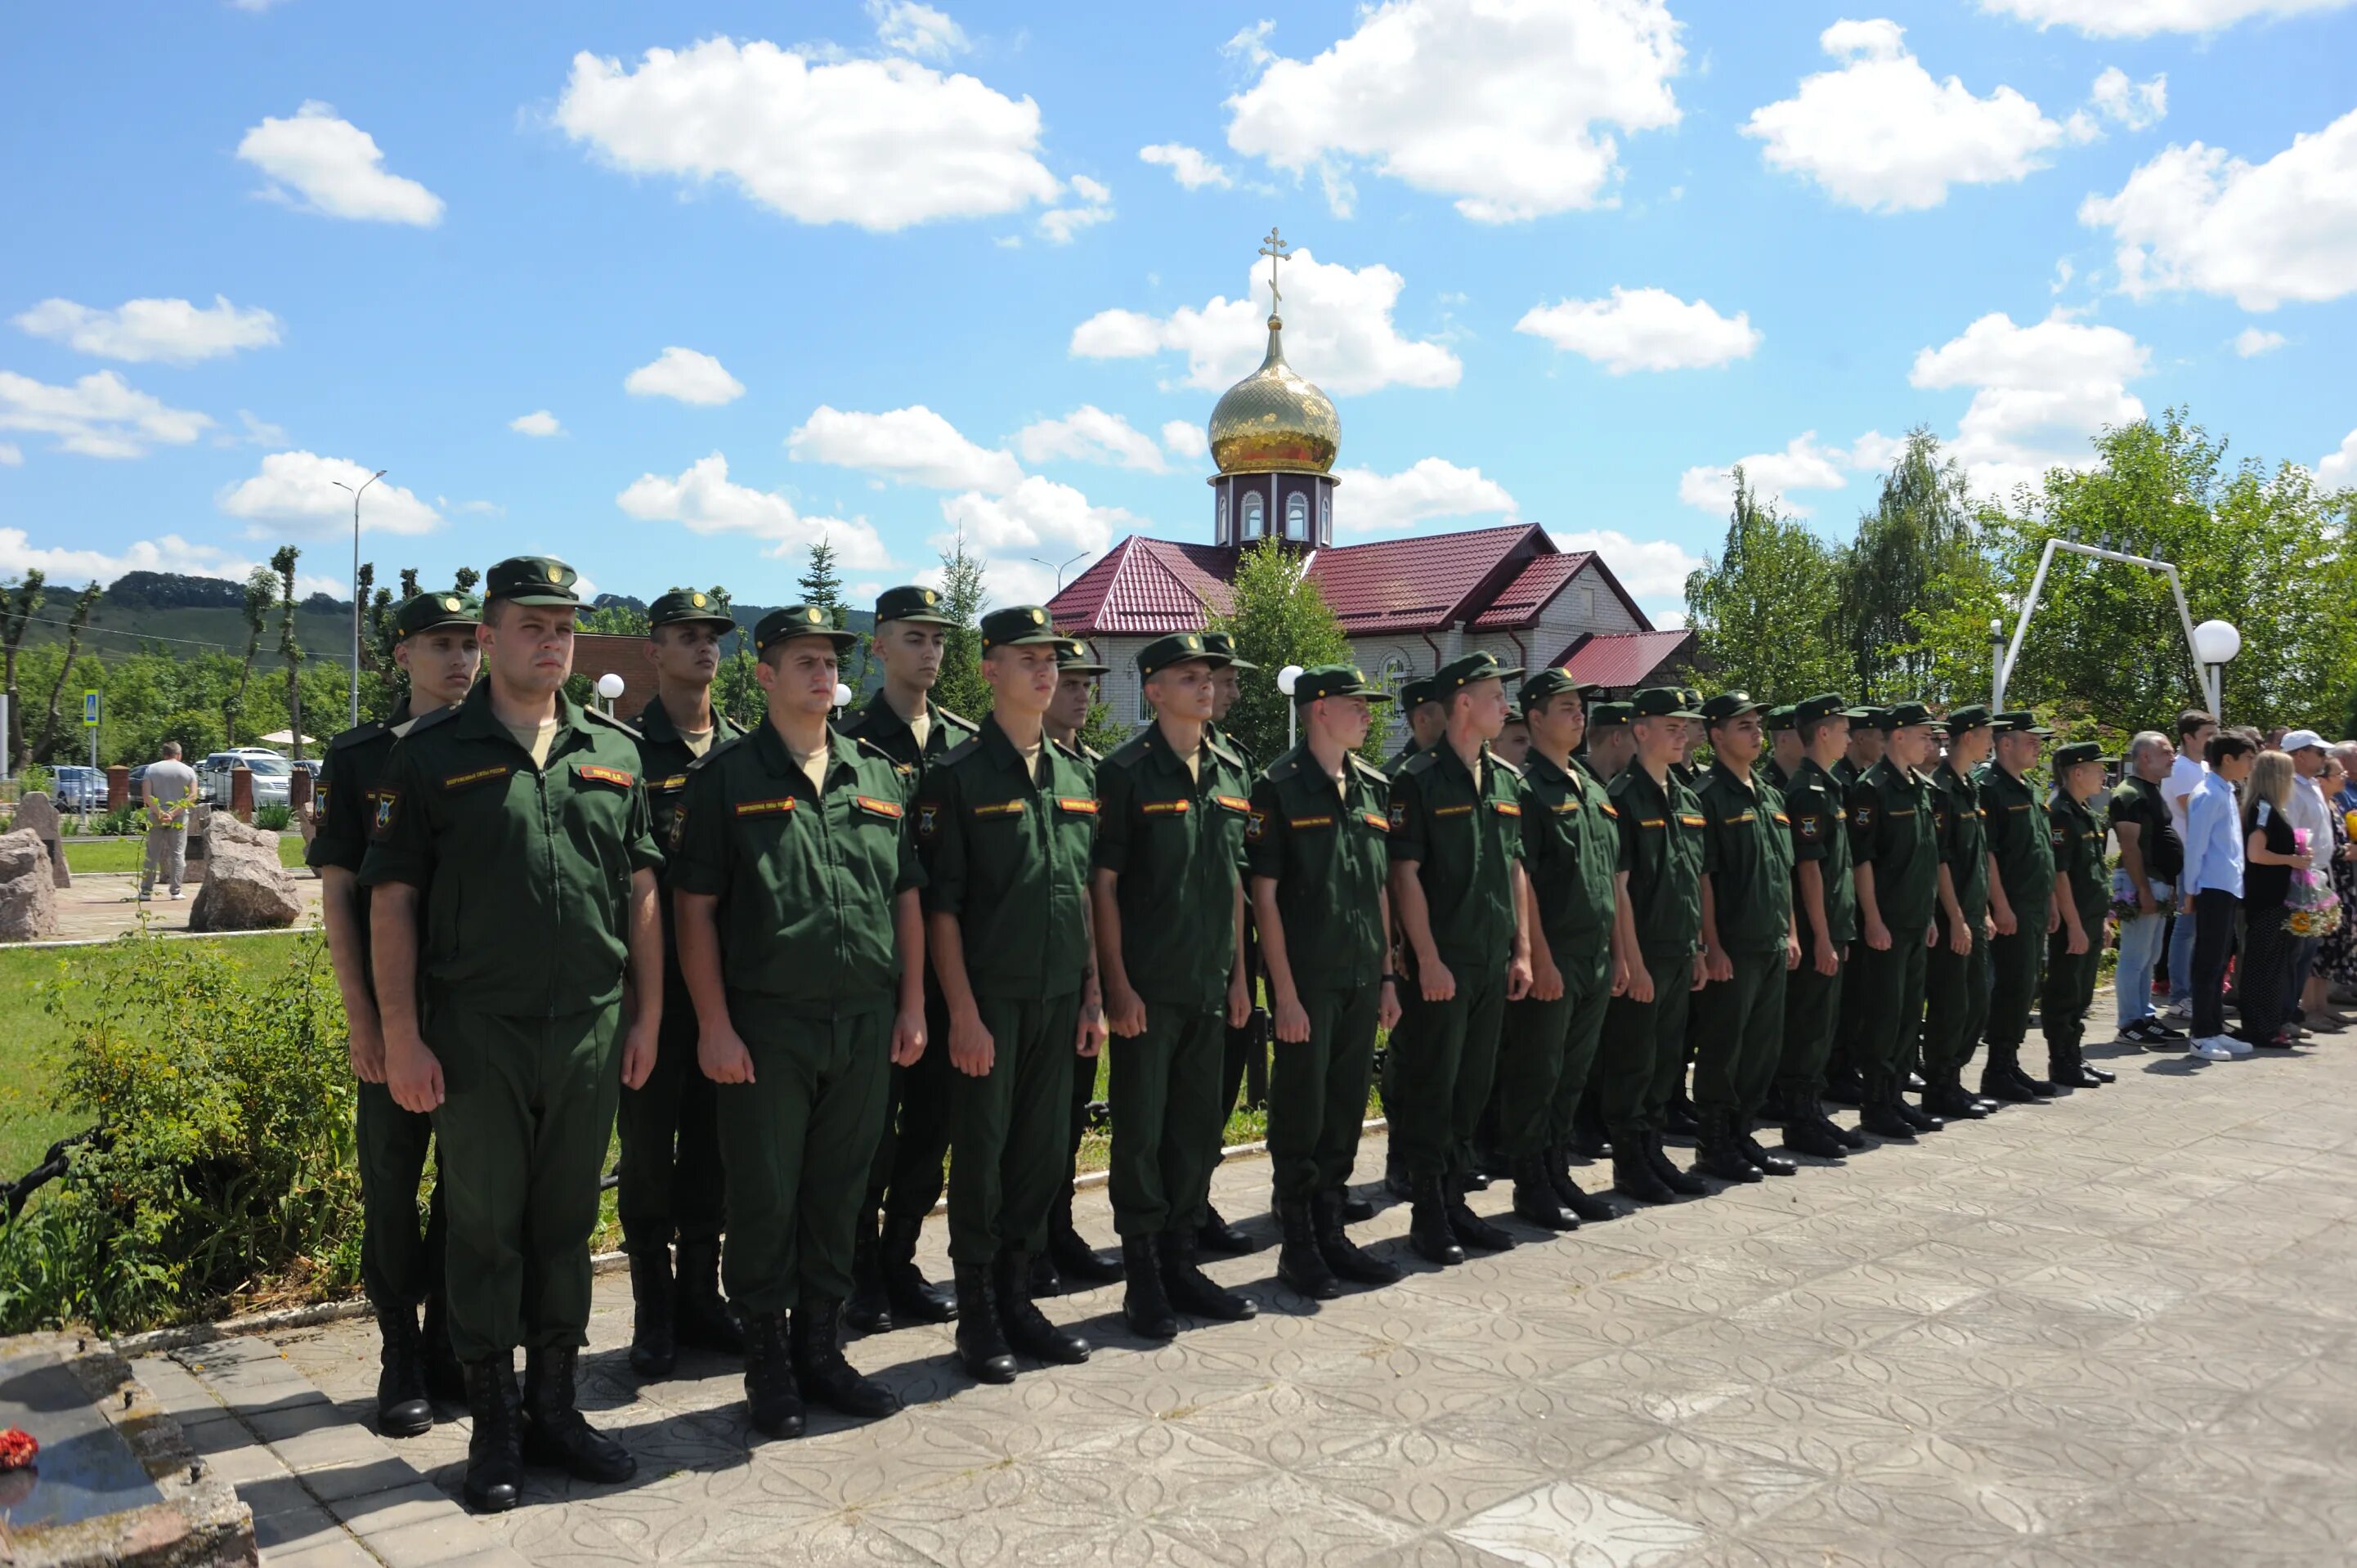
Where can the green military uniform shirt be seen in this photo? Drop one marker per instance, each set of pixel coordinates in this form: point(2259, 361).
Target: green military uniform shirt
point(349, 775)
point(1846, 773)
point(526, 870)
point(1177, 841)
point(1963, 840)
point(1571, 851)
point(1821, 834)
point(886, 731)
point(1778, 779)
point(1746, 852)
point(805, 879)
point(2075, 831)
point(1661, 849)
point(1007, 851)
point(1891, 829)
point(1399, 759)
point(2018, 837)
point(1464, 836)
point(666, 759)
point(1326, 847)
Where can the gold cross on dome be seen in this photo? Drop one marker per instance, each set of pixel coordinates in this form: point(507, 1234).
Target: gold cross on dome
point(1275, 250)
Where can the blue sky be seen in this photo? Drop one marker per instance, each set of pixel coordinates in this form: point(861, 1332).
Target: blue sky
point(883, 270)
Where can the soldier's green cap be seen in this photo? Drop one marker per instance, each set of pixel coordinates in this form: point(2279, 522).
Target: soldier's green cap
point(682, 605)
point(1458, 673)
point(1072, 658)
point(1691, 697)
point(531, 580)
point(1334, 681)
point(1970, 717)
point(1514, 714)
point(1545, 683)
point(1780, 717)
point(912, 603)
point(790, 621)
point(1221, 642)
point(1018, 625)
point(1662, 702)
point(2077, 752)
point(1907, 715)
point(1418, 692)
point(1177, 649)
point(1603, 715)
point(1827, 705)
point(1872, 717)
point(2020, 721)
point(1730, 705)
point(424, 612)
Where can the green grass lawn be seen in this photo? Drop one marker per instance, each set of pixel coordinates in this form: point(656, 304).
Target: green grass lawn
point(99, 855)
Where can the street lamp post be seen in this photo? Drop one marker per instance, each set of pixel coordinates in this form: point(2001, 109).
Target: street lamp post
point(1286, 679)
point(340, 484)
point(2215, 643)
point(1059, 570)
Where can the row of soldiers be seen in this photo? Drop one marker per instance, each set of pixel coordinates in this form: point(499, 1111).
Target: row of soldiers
point(805, 962)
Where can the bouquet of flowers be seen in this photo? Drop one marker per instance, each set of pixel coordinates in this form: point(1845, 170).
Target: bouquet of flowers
point(2311, 907)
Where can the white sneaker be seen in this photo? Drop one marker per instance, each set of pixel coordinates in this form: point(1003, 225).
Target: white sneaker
point(2212, 1049)
point(2235, 1046)
point(2175, 1012)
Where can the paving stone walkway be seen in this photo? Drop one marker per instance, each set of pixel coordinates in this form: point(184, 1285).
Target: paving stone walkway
point(2119, 1329)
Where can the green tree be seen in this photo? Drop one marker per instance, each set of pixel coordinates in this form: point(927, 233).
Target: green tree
point(261, 594)
point(18, 606)
point(289, 648)
point(822, 586)
point(960, 688)
point(1764, 611)
point(54, 746)
point(1905, 564)
point(1277, 617)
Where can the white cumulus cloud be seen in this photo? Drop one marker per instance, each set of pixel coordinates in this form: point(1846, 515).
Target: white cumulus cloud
point(1337, 326)
point(2251, 342)
point(1092, 204)
point(11, 455)
point(1654, 571)
point(706, 500)
point(2139, 105)
point(1034, 514)
point(62, 564)
point(2337, 470)
point(172, 331)
point(1368, 502)
point(100, 415)
point(1804, 464)
point(1880, 134)
point(2040, 392)
point(909, 28)
point(1189, 165)
point(332, 166)
point(297, 492)
point(1510, 109)
point(1090, 435)
point(2143, 18)
point(2196, 218)
point(911, 446)
point(879, 143)
point(538, 422)
point(686, 375)
point(1185, 438)
point(1644, 329)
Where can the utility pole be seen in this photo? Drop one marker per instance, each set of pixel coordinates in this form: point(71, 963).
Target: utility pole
point(340, 484)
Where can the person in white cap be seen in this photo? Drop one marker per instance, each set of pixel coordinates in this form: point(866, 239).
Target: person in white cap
point(2310, 814)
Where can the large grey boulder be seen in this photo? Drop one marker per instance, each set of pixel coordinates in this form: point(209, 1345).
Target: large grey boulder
point(245, 888)
point(39, 813)
point(28, 895)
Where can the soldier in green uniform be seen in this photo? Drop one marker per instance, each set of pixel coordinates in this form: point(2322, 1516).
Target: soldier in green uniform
point(1227, 684)
point(1824, 911)
point(1749, 943)
point(1459, 896)
point(1870, 735)
point(1785, 749)
point(2082, 896)
point(1514, 739)
point(512, 891)
point(1870, 738)
point(669, 1181)
point(802, 943)
point(1427, 716)
point(1895, 855)
point(903, 722)
point(1317, 849)
point(1955, 973)
point(1571, 857)
point(437, 651)
point(1069, 1256)
point(1611, 743)
point(1166, 894)
point(1642, 1059)
point(2021, 898)
point(1608, 749)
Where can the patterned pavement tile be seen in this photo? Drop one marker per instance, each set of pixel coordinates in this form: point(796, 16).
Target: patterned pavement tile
point(1565, 1524)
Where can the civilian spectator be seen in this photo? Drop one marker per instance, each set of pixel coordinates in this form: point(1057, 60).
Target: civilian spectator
point(2337, 957)
point(2271, 853)
point(2210, 890)
point(170, 788)
point(2193, 732)
point(2152, 856)
point(2311, 813)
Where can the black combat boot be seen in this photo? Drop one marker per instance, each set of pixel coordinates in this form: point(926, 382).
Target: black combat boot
point(1679, 1118)
point(1074, 1258)
point(446, 1378)
point(869, 1310)
point(1535, 1202)
point(1844, 1085)
point(1922, 1120)
point(1397, 1181)
point(1949, 1100)
point(914, 1298)
point(1216, 1235)
point(554, 1431)
point(1345, 1257)
point(1145, 1304)
point(654, 1343)
point(1191, 1290)
point(1806, 1129)
point(494, 1451)
point(2001, 1079)
point(704, 1320)
point(1299, 1264)
point(1470, 1229)
point(1719, 1156)
point(401, 1408)
point(1356, 1211)
point(2066, 1071)
point(815, 1343)
point(1027, 1329)
point(1632, 1168)
point(1676, 1180)
point(772, 1401)
point(1880, 1115)
point(1588, 1138)
point(1773, 1165)
point(1584, 1206)
point(1045, 1281)
point(1850, 1137)
point(1428, 1229)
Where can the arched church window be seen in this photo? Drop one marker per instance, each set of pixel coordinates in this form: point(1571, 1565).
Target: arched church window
point(1296, 516)
point(1222, 534)
point(1325, 516)
point(1255, 517)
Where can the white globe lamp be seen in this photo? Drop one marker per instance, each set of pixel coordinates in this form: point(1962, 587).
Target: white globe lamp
point(1287, 677)
point(610, 685)
point(2216, 642)
point(842, 696)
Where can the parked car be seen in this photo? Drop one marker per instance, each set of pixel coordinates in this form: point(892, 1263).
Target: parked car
point(270, 773)
point(79, 789)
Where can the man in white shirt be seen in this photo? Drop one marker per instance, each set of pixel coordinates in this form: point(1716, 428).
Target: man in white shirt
point(2194, 729)
point(170, 788)
point(2311, 815)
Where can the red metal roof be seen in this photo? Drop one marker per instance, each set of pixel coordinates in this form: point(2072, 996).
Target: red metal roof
point(1518, 604)
point(1416, 584)
point(1620, 658)
point(1146, 587)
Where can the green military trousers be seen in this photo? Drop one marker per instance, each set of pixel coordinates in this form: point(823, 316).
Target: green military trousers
point(1955, 1004)
point(2013, 983)
point(1813, 1010)
point(398, 1267)
point(1643, 1052)
point(2070, 990)
point(1167, 1119)
point(796, 1142)
point(905, 1175)
point(1318, 1092)
point(1885, 994)
point(670, 1184)
point(1545, 1053)
point(1739, 1033)
point(527, 1111)
point(1008, 1127)
point(1438, 1070)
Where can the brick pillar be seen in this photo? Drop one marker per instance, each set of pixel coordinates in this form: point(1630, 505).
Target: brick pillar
point(241, 794)
point(118, 787)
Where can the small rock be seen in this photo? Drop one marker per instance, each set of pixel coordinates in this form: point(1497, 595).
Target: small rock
point(28, 895)
point(245, 888)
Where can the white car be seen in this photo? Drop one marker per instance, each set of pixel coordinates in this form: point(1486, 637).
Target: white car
point(271, 772)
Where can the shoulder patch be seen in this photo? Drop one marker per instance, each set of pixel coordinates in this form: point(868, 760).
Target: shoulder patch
point(1511, 771)
point(719, 749)
point(1227, 753)
point(1422, 762)
point(611, 723)
point(958, 721)
point(359, 732)
point(427, 721)
point(1368, 768)
point(959, 752)
point(1127, 754)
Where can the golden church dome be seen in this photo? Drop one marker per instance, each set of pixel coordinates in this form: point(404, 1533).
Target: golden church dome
point(1272, 421)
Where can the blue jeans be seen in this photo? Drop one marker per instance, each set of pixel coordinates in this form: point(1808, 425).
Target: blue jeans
point(2180, 962)
point(2140, 940)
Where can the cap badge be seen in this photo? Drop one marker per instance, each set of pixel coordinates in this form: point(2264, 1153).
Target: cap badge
point(556, 573)
point(450, 605)
point(695, 599)
point(931, 596)
point(1194, 642)
point(811, 615)
point(1037, 616)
